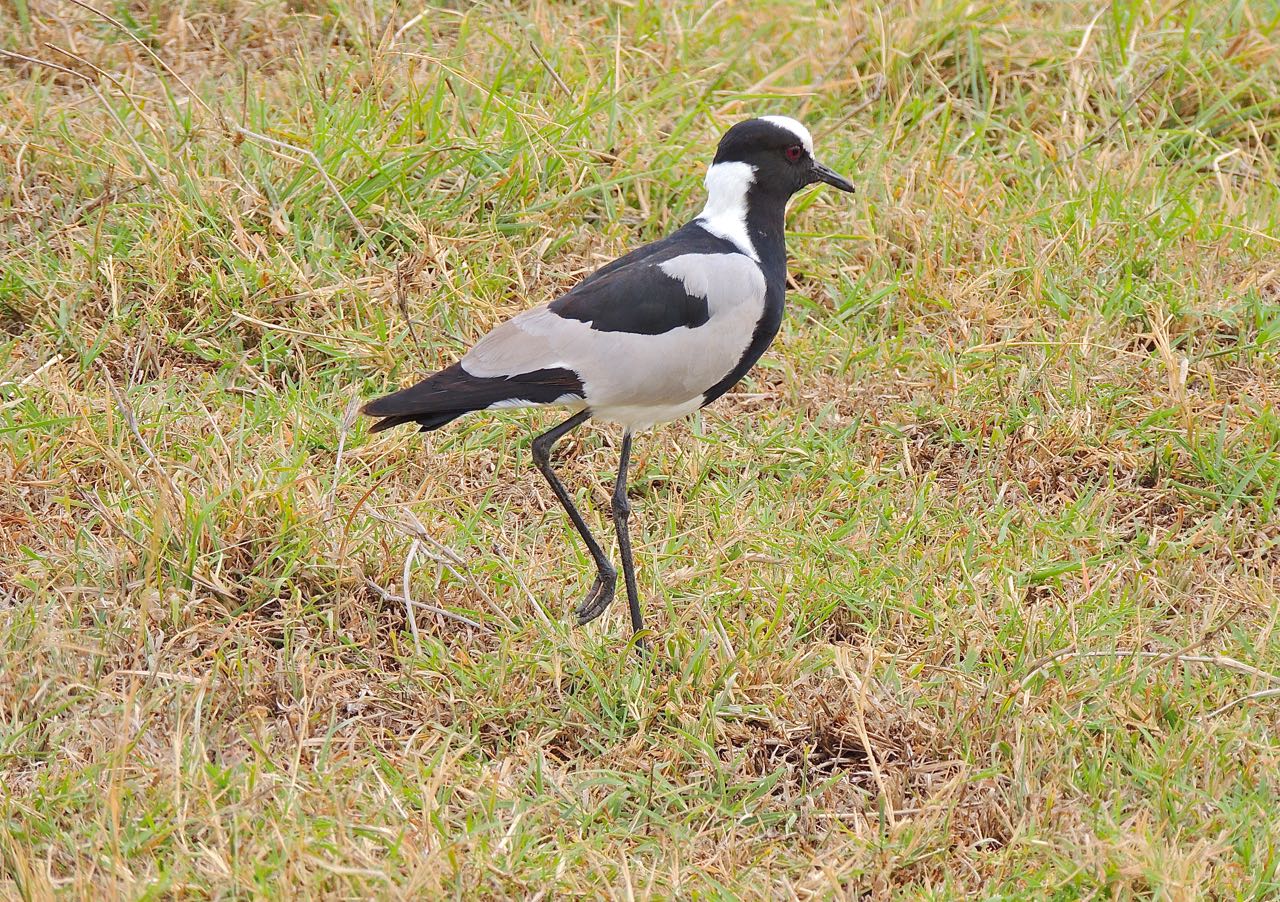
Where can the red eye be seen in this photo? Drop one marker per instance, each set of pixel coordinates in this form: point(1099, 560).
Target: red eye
point(794, 153)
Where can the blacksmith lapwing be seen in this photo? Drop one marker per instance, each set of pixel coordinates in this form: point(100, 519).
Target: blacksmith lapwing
point(648, 338)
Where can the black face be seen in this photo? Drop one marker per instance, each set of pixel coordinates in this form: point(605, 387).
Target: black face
point(782, 163)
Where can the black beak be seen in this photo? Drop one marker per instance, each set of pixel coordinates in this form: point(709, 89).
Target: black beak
point(821, 173)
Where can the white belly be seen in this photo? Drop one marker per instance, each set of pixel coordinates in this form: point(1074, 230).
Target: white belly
point(634, 417)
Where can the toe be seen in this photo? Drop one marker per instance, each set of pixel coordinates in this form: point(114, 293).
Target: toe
point(597, 600)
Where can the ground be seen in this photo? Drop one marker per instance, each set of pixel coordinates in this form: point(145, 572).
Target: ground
point(970, 588)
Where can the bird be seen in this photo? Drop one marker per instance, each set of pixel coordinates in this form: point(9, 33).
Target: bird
point(646, 339)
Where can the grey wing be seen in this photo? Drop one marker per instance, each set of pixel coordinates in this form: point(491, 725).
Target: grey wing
point(616, 366)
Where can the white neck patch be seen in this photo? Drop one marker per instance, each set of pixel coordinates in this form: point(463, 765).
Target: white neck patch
point(794, 127)
point(725, 214)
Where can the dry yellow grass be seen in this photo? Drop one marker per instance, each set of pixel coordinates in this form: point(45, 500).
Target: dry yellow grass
point(971, 587)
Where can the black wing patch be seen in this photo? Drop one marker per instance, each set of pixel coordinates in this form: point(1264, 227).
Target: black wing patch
point(640, 299)
point(632, 294)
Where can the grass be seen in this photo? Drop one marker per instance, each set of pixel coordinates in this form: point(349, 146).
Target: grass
point(969, 589)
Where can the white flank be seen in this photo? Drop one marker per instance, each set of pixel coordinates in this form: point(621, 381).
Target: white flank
point(565, 400)
point(795, 128)
point(725, 214)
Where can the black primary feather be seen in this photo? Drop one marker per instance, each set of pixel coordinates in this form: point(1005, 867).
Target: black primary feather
point(452, 392)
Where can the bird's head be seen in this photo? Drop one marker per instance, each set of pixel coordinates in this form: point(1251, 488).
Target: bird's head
point(779, 151)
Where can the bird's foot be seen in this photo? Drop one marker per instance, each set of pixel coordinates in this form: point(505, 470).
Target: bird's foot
point(598, 599)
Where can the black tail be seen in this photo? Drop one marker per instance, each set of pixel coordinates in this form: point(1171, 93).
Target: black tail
point(452, 392)
point(426, 422)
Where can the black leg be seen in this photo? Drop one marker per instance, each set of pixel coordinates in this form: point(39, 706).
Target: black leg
point(621, 511)
point(601, 593)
